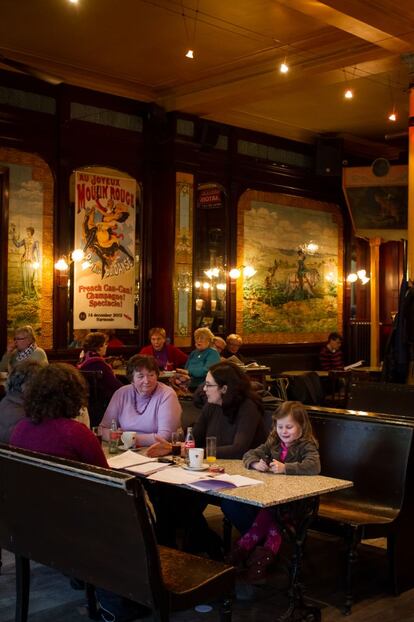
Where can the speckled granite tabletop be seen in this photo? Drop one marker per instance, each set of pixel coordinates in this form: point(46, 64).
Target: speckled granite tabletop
point(277, 489)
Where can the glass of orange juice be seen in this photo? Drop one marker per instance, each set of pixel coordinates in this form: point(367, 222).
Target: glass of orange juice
point(211, 449)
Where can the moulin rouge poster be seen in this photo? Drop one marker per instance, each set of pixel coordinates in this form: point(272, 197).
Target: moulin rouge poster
point(104, 281)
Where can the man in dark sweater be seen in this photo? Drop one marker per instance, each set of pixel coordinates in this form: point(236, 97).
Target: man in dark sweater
point(330, 357)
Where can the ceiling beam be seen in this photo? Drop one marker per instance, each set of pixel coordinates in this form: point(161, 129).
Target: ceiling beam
point(206, 97)
point(357, 19)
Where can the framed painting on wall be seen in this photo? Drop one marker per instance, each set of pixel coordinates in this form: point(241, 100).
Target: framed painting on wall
point(295, 246)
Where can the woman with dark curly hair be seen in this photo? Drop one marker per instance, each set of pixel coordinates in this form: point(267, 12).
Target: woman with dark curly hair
point(52, 400)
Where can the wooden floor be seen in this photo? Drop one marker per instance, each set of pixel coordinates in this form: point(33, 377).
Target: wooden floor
point(53, 600)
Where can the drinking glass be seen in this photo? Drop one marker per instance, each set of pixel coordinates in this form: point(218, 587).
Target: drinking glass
point(176, 444)
point(97, 430)
point(211, 448)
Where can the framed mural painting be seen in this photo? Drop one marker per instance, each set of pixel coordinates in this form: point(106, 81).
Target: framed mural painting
point(296, 248)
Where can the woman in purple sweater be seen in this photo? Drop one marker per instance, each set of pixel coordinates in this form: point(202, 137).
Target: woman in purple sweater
point(145, 406)
point(52, 401)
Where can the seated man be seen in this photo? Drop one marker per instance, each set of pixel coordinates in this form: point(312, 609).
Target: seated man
point(233, 345)
point(219, 344)
point(330, 357)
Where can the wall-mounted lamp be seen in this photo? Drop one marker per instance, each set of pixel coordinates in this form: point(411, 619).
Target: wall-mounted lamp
point(63, 264)
point(360, 274)
point(218, 275)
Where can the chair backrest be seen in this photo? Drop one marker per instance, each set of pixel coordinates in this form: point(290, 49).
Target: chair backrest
point(97, 403)
point(84, 521)
point(382, 397)
point(306, 388)
point(374, 454)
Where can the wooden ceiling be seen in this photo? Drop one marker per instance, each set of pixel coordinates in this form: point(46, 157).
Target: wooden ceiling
point(136, 49)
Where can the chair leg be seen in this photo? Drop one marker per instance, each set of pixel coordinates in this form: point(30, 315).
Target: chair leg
point(93, 612)
point(227, 526)
point(22, 588)
point(353, 538)
point(226, 610)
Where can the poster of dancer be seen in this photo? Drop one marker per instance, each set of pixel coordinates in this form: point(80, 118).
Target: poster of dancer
point(104, 281)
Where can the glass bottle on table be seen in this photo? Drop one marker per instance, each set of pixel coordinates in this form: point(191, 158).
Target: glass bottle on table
point(189, 442)
point(113, 437)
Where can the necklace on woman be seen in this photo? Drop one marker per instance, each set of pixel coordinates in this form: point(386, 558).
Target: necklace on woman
point(138, 411)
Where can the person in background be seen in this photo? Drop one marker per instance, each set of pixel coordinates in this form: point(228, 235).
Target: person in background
point(22, 348)
point(94, 350)
point(219, 344)
point(168, 356)
point(112, 340)
point(199, 361)
point(330, 356)
point(52, 401)
point(145, 406)
point(290, 449)
point(79, 335)
point(12, 405)
point(233, 344)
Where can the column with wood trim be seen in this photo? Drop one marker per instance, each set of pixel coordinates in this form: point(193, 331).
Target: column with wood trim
point(375, 244)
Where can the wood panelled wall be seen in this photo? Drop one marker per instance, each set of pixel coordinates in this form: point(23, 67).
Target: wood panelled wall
point(152, 157)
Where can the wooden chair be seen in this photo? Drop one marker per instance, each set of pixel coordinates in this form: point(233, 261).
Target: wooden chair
point(376, 453)
point(96, 403)
point(94, 524)
point(338, 386)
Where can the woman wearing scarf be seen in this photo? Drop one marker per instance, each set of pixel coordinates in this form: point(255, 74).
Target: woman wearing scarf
point(22, 348)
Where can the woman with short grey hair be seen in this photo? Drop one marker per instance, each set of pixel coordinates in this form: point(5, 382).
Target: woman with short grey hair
point(21, 348)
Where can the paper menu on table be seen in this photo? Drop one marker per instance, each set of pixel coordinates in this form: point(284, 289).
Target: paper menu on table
point(223, 481)
point(175, 475)
point(354, 365)
point(148, 468)
point(128, 458)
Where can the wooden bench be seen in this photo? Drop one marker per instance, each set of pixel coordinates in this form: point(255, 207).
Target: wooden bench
point(382, 397)
point(94, 524)
point(376, 453)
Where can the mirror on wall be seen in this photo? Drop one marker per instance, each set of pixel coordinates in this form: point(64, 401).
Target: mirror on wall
point(210, 261)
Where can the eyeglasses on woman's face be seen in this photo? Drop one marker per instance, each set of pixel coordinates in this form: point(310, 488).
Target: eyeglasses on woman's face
point(214, 392)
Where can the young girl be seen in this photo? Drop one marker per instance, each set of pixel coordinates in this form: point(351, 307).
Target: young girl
point(291, 449)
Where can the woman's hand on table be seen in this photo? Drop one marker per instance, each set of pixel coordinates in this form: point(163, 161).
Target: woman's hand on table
point(259, 466)
point(277, 467)
point(160, 448)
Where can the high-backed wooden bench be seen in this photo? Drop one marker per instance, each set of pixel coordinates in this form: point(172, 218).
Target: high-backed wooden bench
point(94, 524)
point(382, 397)
point(376, 453)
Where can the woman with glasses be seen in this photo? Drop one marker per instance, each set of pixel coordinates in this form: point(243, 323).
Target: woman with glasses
point(22, 348)
point(145, 406)
point(233, 414)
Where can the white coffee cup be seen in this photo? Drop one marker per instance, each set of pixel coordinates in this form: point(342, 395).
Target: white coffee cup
point(195, 457)
point(129, 439)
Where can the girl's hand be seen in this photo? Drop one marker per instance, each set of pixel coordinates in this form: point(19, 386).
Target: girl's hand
point(277, 467)
point(160, 448)
point(259, 466)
